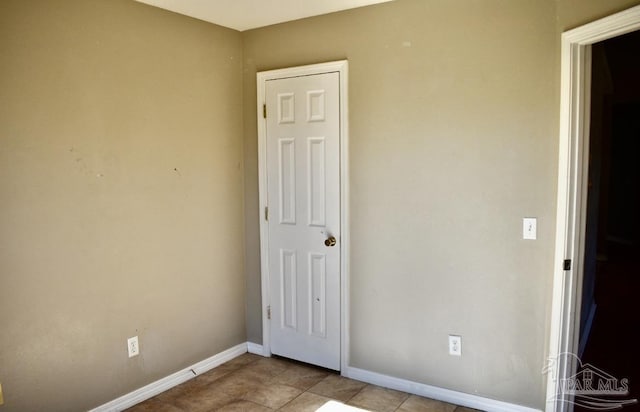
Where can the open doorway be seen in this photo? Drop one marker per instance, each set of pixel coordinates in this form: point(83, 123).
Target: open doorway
point(573, 251)
point(610, 309)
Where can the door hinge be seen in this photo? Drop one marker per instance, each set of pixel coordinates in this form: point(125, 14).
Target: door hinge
point(264, 111)
point(266, 213)
point(269, 312)
point(566, 265)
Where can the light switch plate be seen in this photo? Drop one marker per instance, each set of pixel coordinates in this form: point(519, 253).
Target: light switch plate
point(529, 228)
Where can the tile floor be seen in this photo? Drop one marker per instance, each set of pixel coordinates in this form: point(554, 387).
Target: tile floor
point(253, 383)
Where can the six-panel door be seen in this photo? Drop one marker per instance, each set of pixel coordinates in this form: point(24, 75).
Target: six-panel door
point(303, 180)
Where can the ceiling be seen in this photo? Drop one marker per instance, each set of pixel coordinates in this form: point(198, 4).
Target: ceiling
point(249, 14)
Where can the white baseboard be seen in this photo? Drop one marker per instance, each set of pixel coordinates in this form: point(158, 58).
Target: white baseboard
point(161, 385)
point(584, 337)
point(255, 348)
point(433, 392)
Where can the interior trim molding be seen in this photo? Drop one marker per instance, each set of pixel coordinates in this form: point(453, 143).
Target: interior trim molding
point(573, 148)
point(168, 382)
point(420, 389)
point(434, 392)
point(255, 348)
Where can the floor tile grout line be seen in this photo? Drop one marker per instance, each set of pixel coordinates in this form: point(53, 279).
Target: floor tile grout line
point(251, 375)
point(355, 394)
point(299, 395)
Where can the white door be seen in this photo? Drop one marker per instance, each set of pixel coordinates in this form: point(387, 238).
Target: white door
point(303, 190)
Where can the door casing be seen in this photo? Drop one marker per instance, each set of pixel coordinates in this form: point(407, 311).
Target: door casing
point(262, 77)
point(575, 99)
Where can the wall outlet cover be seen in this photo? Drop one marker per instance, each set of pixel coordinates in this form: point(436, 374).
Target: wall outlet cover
point(133, 347)
point(455, 345)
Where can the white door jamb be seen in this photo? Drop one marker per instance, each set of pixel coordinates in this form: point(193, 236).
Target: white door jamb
point(572, 190)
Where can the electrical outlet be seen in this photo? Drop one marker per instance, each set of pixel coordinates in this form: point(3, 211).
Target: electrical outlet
point(455, 345)
point(1, 397)
point(132, 345)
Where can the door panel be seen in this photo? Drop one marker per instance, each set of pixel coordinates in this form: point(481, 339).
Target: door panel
point(303, 189)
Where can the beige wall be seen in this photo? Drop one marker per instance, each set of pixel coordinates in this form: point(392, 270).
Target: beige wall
point(121, 186)
point(121, 178)
point(452, 142)
point(454, 116)
point(574, 13)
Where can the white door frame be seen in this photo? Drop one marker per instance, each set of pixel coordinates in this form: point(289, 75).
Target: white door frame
point(575, 97)
point(262, 77)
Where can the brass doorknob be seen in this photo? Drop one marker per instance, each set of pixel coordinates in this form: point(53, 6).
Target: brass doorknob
point(331, 241)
